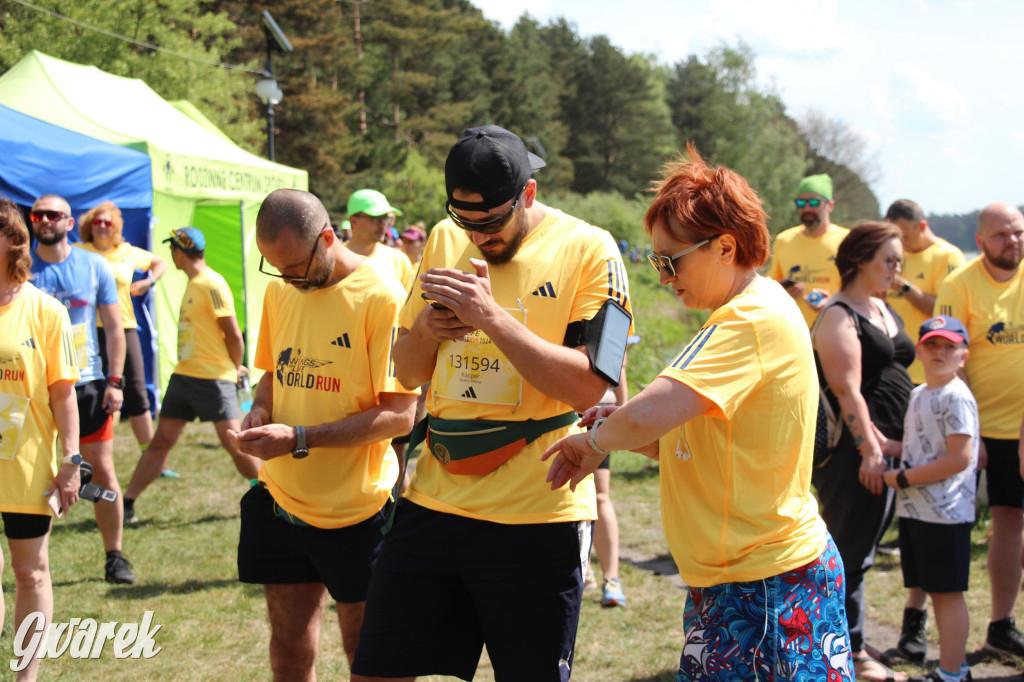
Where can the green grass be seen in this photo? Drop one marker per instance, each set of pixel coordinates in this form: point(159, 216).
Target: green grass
point(215, 628)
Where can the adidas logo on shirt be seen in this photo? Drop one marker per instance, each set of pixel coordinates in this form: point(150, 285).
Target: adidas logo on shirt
point(342, 341)
point(469, 393)
point(29, 343)
point(545, 290)
point(920, 275)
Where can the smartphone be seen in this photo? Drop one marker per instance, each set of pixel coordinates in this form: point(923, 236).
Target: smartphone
point(53, 500)
point(433, 304)
point(787, 283)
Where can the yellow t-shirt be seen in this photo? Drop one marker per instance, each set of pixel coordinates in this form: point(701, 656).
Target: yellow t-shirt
point(202, 353)
point(396, 262)
point(329, 352)
point(926, 270)
point(735, 483)
point(807, 260)
point(993, 313)
point(37, 349)
point(564, 271)
point(124, 260)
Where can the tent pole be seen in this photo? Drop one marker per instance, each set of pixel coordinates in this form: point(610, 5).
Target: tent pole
point(245, 286)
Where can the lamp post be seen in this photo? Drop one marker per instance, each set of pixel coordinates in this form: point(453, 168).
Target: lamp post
point(267, 88)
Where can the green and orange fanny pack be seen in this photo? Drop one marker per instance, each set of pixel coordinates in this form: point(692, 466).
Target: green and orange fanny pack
point(475, 447)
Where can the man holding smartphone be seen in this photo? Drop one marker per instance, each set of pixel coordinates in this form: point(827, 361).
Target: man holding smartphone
point(804, 257)
point(480, 544)
point(85, 284)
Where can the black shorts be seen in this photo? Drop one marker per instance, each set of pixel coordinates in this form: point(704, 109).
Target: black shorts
point(136, 399)
point(934, 556)
point(446, 585)
point(1004, 484)
point(272, 551)
point(93, 418)
point(211, 400)
point(25, 526)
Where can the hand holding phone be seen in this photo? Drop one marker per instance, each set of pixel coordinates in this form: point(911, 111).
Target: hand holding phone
point(53, 501)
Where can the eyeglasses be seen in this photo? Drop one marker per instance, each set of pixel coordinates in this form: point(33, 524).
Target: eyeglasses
point(48, 216)
point(386, 219)
point(894, 262)
point(668, 263)
point(103, 223)
point(813, 203)
point(488, 226)
point(288, 278)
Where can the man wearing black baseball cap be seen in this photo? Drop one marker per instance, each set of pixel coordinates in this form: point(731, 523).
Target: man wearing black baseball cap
point(480, 544)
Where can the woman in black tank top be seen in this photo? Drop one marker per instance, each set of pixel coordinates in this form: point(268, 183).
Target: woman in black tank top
point(862, 353)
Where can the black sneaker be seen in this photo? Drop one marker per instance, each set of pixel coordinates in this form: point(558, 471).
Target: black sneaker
point(130, 517)
point(913, 644)
point(119, 570)
point(934, 676)
point(1004, 638)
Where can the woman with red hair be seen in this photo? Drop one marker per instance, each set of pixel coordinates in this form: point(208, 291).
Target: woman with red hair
point(732, 421)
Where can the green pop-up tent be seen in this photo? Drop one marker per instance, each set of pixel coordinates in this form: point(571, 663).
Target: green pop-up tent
point(200, 177)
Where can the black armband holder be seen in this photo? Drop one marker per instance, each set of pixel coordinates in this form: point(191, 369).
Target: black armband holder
point(605, 337)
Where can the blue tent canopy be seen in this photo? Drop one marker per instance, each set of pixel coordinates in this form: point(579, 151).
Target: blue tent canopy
point(39, 158)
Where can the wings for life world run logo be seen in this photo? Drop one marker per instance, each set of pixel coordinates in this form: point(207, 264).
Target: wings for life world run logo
point(296, 370)
point(798, 273)
point(1003, 334)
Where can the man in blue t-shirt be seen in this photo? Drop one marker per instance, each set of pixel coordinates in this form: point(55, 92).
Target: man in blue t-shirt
point(84, 283)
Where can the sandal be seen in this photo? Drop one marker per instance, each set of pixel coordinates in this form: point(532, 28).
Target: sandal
point(879, 672)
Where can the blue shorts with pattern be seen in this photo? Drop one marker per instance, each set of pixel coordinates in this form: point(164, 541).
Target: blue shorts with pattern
point(788, 627)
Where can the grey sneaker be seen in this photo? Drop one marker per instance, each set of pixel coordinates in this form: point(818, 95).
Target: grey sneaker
point(913, 644)
point(119, 570)
point(1004, 638)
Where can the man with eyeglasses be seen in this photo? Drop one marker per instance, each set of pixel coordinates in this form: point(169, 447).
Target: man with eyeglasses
point(85, 284)
point(480, 544)
point(804, 257)
point(987, 295)
point(324, 413)
point(210, 356)
point(371, 217)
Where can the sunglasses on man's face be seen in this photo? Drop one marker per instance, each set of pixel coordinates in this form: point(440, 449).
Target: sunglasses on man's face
point(813, 203)
point(48, 216)
point(488, 226)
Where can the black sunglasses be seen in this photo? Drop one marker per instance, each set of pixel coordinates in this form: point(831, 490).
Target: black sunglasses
point(288, 278)
point(488, 226)
point(49, 216)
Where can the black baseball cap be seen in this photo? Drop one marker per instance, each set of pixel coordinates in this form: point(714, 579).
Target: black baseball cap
point(492, 162)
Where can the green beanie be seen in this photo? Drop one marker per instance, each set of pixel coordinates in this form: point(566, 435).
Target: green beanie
point(816, 184)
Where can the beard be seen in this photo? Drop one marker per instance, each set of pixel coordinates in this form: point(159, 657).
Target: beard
point(321, 271)
point(502, 257)
point(810, 219)
point(53, 236)
point(1009, 259)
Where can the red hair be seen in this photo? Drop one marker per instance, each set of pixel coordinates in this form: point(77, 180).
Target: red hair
point(709, 201)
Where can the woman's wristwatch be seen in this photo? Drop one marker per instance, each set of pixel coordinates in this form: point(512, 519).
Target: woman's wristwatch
point(590, 438)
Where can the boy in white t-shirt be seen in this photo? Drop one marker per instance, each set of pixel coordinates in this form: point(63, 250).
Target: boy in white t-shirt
point(936, 486)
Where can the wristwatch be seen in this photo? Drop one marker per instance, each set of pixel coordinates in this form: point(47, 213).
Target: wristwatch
point(74, 458)
point(116, 382)
point(905, 289)
point(300, 450)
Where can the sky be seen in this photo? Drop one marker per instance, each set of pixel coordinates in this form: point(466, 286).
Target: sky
point(933, 87)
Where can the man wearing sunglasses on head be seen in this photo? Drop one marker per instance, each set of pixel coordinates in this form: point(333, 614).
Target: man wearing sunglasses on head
point(500, 323)
point(203, 384)
point(804, 257)
point(85, 284)
point(371, 216)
